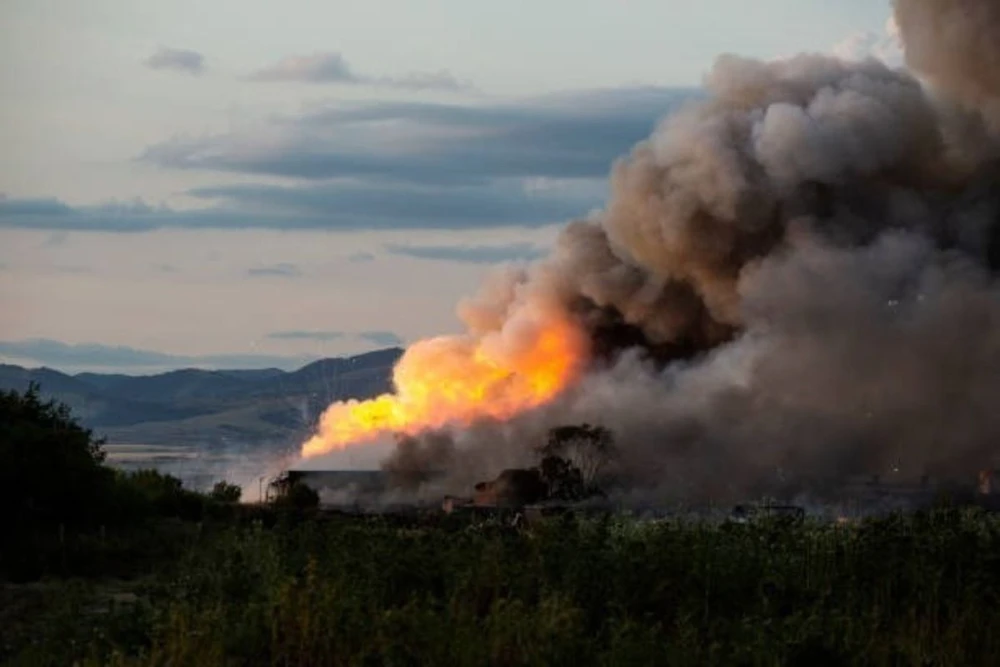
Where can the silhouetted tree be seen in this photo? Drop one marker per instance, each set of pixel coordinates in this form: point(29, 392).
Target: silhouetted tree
point(574, 457)
point(301, 497)
point(563, 478)
point(51, 468)
point(224, 492)
point(162, 494)
point(287, 491)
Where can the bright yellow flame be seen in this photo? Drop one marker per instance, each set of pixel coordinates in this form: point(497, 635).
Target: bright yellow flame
point(458, 379)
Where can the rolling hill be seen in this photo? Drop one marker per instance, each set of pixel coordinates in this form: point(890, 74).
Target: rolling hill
point(207, 408)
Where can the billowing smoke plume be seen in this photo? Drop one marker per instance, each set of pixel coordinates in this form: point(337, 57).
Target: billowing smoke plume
point(792, 280)
point(954, 44)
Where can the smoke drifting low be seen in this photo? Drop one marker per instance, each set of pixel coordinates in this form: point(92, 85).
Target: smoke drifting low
point(793, 279)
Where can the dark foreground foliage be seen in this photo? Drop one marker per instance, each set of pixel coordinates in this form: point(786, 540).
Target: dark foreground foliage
point(917, 590)
point(101, 568)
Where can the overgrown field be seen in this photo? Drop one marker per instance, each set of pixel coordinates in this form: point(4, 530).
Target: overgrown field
point(904, 590)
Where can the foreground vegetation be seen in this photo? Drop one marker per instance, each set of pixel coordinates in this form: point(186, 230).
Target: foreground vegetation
point(899, 591)
point(212, 583)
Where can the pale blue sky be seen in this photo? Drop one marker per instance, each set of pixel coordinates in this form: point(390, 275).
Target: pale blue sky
point(418, 135)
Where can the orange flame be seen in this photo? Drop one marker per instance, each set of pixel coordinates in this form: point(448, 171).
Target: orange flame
point(458, 379)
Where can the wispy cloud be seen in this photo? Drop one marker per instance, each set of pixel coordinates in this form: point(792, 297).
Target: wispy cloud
point(386, 338)
point(33, 207)
point(381, 337)
point(284, 269)
point(75, 269)
point(321, 336)
point(361, 257)
point(56, 239)
point(569, 136)
point(335, 206)
point(392, 166)
point(331, 67)
point(394, 206)
point(474, 254)
point(183, 60)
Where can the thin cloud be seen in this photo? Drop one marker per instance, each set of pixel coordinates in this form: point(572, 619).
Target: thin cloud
point(473, 254)
point(569, 136)
point(56, 239)
point(384, 206)
point(320, 336)
point(336, 206)
point(75, 269)
point(381, 337)
point(361, 257)
point(392, 166)
point(182, 60)
point(331, 67)
point(97, 356)
point(315, 68)
point(28, 207)
point(283, 270)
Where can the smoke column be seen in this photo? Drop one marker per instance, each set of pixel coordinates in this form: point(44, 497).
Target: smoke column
point(792, 279)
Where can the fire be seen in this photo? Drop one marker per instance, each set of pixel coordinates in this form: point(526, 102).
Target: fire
point(458, 379)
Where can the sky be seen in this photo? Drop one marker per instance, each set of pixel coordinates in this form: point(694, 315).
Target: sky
point(241, 183)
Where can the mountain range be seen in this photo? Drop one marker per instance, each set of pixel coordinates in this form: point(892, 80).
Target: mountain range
point(194, 407)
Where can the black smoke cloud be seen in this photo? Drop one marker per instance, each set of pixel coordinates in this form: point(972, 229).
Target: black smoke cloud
point(793, 279)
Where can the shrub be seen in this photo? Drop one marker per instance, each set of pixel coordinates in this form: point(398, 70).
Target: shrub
point(51, 468)
point(224, 492)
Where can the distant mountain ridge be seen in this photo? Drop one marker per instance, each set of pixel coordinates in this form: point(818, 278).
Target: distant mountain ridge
point(204, 407)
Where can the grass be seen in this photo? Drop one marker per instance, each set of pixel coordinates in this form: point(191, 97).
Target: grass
point(904, 590)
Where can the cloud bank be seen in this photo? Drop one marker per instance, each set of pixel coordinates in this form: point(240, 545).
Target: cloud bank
point(390, 166)
point(97, 356)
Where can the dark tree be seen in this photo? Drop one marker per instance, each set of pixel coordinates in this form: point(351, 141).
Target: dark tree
point(563, 479)
point(288, 491)
point(156, 493)
point(579, 450)
point(301, 497)
point(51, 468)
point(224, 492)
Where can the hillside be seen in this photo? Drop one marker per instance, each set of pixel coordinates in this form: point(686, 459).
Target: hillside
point(201, 407)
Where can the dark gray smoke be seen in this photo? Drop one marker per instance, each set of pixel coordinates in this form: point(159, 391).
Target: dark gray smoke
point(792, 280)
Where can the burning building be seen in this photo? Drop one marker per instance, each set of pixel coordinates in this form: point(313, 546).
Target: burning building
point(795, 272)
